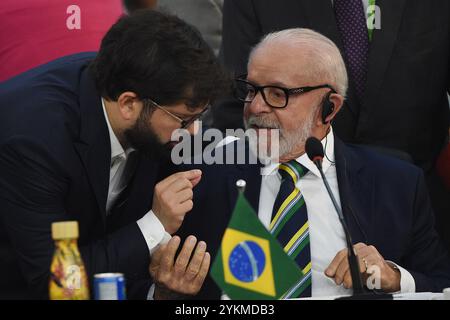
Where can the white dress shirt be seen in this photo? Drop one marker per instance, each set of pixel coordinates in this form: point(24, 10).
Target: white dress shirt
point(327, 236)
point(150, 226)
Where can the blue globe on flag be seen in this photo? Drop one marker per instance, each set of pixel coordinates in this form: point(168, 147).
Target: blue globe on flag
point(247, 261)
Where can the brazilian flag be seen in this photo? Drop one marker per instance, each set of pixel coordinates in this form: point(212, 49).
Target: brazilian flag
point(251, 264)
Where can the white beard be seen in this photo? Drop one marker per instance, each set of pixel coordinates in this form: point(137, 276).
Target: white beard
point(280, 143)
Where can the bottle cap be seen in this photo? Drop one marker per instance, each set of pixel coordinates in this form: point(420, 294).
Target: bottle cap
point(65, 230)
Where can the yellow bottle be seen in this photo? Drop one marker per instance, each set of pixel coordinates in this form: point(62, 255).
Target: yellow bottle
point(68, 278)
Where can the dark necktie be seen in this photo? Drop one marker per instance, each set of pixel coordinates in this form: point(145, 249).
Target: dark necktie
point(290, 225)
point(352, 25)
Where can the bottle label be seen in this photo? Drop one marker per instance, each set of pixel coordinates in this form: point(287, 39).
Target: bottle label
point(68, 280)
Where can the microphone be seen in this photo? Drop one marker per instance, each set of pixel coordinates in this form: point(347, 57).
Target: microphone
point(315, 152)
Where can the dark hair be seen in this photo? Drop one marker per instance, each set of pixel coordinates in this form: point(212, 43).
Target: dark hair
point(133, 5)
point(158, 56)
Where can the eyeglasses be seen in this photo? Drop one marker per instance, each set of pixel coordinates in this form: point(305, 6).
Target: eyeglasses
point(274, 96)
point(184, 123)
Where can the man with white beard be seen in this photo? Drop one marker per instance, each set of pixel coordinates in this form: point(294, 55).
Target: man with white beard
point(296, 84)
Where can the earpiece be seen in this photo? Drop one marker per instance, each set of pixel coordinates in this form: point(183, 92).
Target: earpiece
point(327, 107)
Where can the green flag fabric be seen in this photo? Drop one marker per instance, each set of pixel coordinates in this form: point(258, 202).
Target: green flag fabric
point(251, 264)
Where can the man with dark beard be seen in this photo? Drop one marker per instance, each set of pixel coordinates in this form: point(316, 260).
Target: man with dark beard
point(296, 84)
point(86, 138)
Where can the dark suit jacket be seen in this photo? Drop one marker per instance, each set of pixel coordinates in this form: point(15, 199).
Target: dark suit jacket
point(384, 202)
point(55, 158)
point(405, 105)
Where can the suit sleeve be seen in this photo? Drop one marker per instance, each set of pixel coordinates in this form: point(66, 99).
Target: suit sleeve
point(33, 186)
point(427, 259)
point(241, 31)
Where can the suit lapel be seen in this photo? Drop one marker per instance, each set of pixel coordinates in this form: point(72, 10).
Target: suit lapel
point(94, 146)
point(140, 195)
point(253, 189)
point(356, 192)
point(381, 47)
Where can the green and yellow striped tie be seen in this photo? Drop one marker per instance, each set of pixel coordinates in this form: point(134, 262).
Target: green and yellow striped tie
point(290, 225)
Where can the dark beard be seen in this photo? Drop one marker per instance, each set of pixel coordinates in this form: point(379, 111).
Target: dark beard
point(142, 138)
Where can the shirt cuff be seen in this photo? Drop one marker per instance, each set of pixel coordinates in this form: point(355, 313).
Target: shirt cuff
point(407, 283)
point(151, 293)
point(153, 231)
